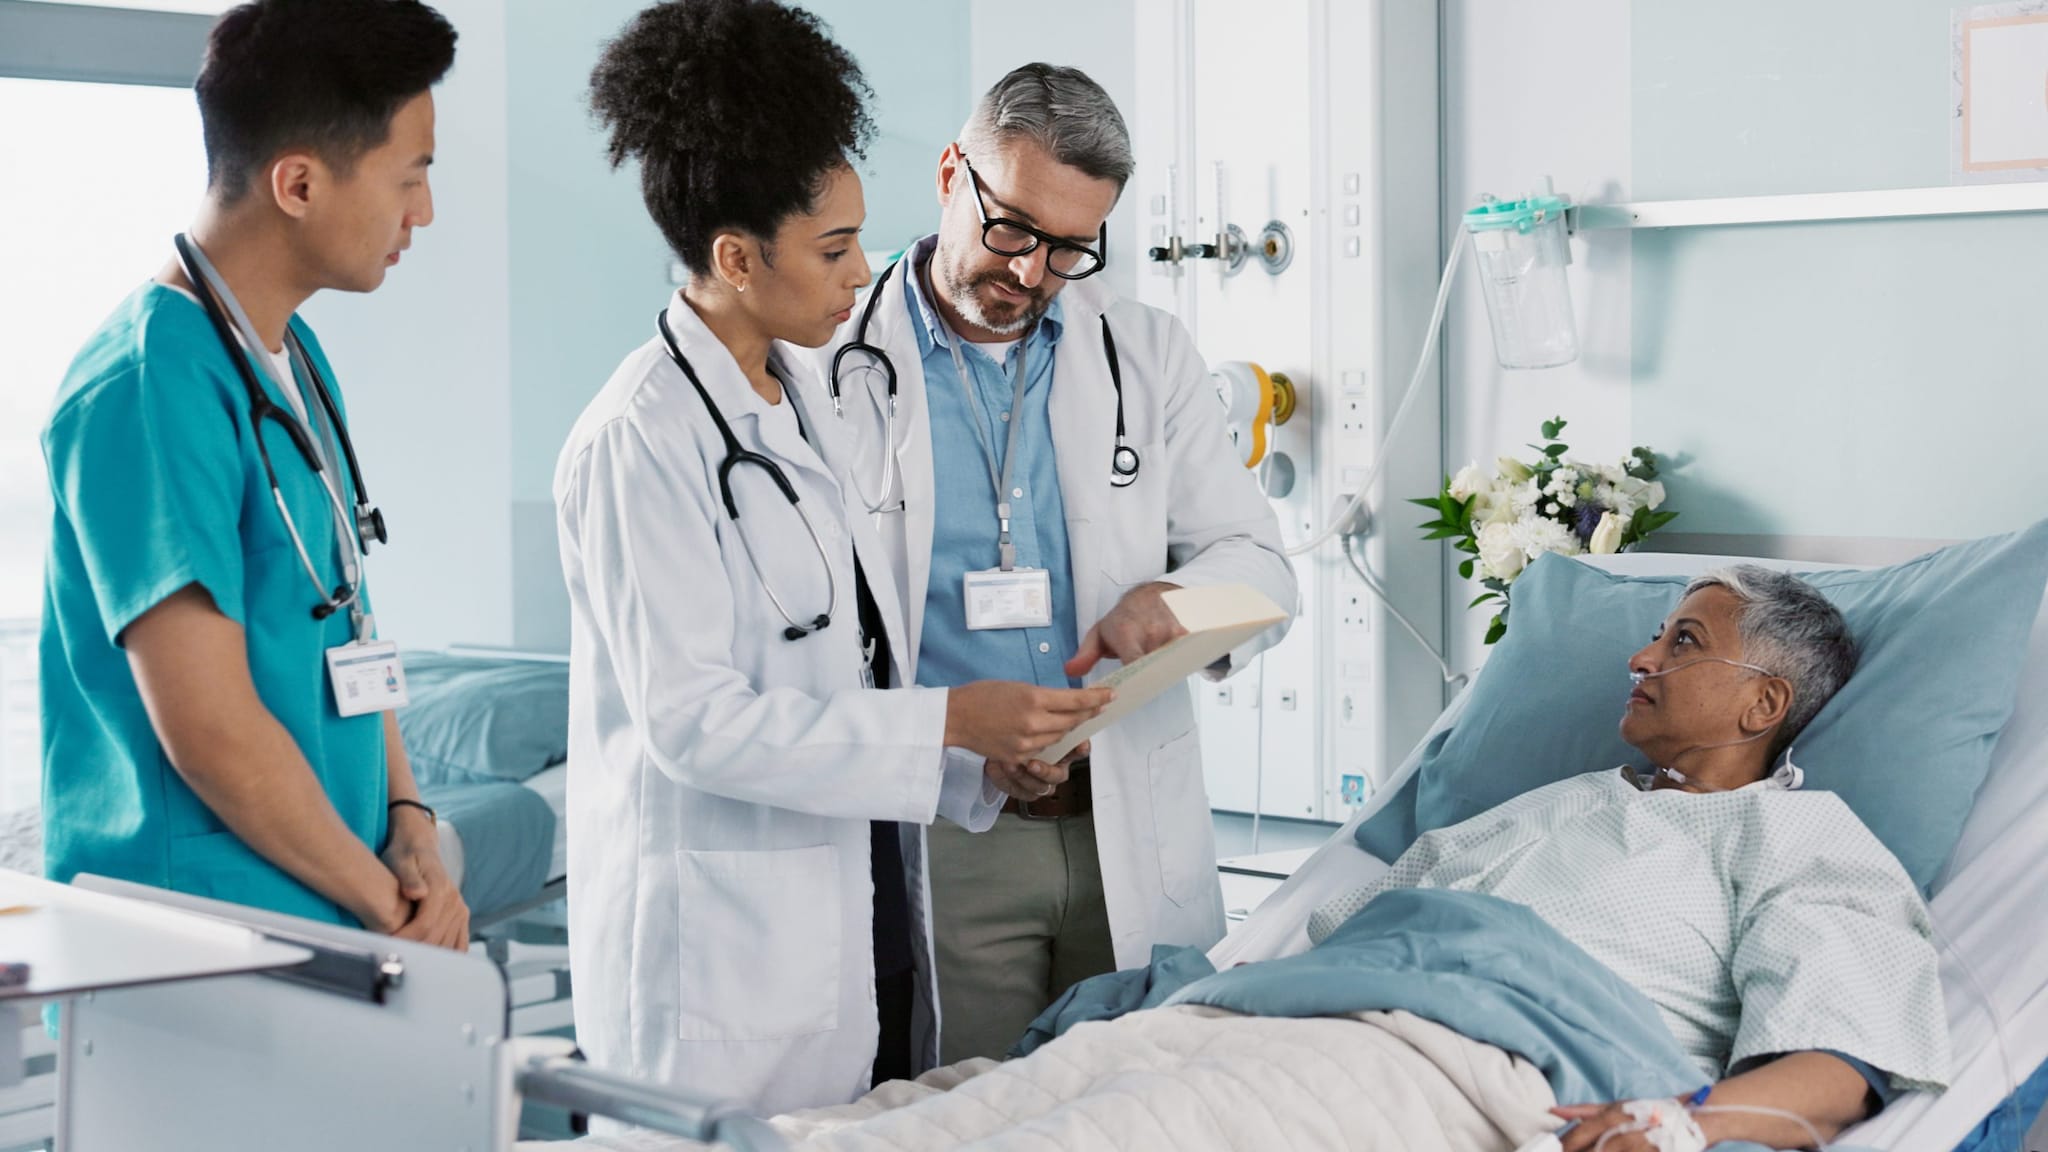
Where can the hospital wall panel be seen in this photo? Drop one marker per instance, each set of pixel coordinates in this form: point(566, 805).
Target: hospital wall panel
point(1532, 90)
point(1798, 370)
point(1867, 379)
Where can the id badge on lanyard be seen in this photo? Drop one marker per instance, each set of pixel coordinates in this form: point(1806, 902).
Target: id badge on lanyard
point(1006, 596)
point(368, 676)
point(1018, 598)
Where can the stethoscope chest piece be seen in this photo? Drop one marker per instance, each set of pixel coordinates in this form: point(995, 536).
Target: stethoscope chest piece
point(1123, 466)
point(370, 523)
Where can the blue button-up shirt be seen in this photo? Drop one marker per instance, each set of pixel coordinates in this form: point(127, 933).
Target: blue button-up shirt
point(964, 525)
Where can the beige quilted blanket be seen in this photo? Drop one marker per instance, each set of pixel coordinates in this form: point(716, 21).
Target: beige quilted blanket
point(1202, 1080)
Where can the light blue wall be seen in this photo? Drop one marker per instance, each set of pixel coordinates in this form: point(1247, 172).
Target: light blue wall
point(915, 56)
point(423, 361)
point(588, 270)
point(1883, 378)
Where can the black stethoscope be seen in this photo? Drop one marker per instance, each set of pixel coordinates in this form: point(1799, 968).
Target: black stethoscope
point(736, 456)
point(368, 522)
point(1123, 460)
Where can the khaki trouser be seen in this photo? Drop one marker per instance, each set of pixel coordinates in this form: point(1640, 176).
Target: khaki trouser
point(1017, 917)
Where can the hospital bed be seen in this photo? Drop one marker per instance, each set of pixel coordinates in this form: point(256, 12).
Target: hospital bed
point(487, 732)
point(1986, 903)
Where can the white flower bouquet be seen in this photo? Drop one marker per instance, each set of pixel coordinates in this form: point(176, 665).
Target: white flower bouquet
point(1507, 518)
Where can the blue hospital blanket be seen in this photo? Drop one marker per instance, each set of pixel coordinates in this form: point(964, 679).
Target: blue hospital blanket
point(1487, 968)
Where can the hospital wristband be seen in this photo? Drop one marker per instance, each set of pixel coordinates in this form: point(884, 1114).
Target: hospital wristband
point(431, 818)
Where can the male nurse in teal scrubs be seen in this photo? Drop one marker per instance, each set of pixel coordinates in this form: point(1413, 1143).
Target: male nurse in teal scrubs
point(211, 675)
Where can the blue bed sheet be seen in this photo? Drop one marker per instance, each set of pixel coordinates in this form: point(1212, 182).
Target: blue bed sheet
point(476, 719)
point(508, 840)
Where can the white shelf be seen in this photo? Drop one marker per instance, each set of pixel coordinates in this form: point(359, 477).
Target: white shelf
point(1962, 200)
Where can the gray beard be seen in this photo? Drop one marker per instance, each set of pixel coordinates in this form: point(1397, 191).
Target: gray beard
point(969, 306)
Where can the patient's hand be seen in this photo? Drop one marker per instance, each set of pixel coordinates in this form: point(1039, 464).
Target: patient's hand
point(1819, 1086)
point(1595, 1121)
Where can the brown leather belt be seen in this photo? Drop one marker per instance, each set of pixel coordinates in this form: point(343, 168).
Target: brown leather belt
point(1072, 798)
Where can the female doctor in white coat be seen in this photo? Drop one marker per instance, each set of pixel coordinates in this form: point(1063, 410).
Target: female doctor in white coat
point(744, 918)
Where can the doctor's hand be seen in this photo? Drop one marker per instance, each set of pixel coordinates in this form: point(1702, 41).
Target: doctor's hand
point(1035, 780)
point(1010, 722)
point(439, 916)
point(1140, 623)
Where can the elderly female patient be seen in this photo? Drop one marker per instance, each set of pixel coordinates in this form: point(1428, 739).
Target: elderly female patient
point(1780, 943)
point(1682, 952)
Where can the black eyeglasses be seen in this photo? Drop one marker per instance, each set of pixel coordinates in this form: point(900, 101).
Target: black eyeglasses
point(1005, 237)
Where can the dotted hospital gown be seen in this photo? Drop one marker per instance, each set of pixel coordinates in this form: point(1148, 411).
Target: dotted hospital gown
point(1758, 922)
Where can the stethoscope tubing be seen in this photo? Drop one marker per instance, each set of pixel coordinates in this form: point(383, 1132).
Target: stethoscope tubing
point(736, 455)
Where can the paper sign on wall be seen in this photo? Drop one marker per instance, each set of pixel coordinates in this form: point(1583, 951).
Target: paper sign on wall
point(2001, 93)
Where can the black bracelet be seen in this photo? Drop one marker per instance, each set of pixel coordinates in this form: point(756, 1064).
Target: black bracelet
point(431, 818)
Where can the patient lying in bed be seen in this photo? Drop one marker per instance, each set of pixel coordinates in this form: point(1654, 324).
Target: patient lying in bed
point(1691, 924)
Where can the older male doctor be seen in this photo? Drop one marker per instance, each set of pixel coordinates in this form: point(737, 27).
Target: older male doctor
point(1054, 461)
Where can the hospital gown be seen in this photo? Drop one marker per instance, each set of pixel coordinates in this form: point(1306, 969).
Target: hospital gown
point(1759, 922)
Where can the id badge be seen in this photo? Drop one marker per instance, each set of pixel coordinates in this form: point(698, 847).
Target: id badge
point(1020, 598)
point(367, 678)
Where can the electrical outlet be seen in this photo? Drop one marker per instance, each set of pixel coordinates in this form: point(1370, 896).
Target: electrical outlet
point(1351, 418)
point(1351, 709)
point(1351, 609)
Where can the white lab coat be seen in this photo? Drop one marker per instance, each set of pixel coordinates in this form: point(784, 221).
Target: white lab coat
point(1194, 516)
point(722, 777)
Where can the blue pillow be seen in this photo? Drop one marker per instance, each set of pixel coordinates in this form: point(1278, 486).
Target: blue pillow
point(1905, 743)
point(477, 719)
point(508, 841)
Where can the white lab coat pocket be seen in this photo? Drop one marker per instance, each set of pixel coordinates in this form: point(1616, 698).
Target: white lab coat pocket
point(1180, 817)
point(760, 943)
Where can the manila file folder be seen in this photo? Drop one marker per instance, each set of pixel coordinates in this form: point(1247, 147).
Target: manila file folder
point(1218, 619)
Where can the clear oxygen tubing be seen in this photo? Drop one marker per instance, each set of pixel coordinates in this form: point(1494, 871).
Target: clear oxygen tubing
point(1703, 1109)
point(1372, 583)
point(2011, 1102)
point(1671, 771)
point(1360, 498)
point(1422, 362)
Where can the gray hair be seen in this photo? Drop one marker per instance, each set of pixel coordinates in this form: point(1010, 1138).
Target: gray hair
point(1788, 627)
point(1062, 111)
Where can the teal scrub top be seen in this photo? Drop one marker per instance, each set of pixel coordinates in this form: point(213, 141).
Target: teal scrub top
point(158, 485)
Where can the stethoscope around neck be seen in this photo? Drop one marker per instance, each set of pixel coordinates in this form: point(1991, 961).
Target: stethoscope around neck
point(735, 455)
point(1124, 460)
point(355, 532)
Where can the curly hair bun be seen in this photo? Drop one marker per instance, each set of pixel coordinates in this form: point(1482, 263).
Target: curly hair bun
point(737, 110)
